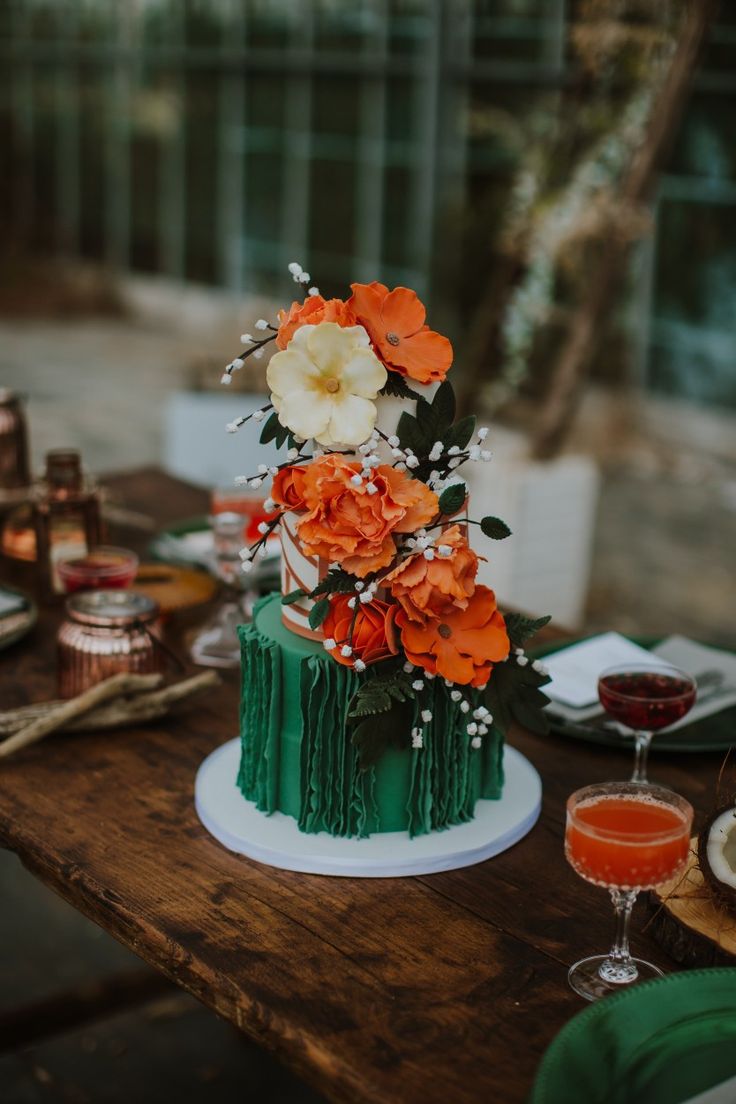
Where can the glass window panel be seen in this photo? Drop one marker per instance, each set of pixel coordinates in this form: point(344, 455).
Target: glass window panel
point(201, 145)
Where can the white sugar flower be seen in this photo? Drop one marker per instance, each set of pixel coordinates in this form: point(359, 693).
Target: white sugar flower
point(324, 383)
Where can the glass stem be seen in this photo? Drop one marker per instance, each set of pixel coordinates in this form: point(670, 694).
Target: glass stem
point(642, 740)
point(619, 968)
point(623, 903)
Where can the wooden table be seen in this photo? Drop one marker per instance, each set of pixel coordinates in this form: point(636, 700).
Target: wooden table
point(440, 988)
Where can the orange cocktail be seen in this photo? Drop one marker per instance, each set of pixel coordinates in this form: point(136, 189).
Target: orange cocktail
point(627, 842)
point(626, 836)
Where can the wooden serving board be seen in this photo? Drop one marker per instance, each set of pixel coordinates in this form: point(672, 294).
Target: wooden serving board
point(689, 924)
point(176, 589)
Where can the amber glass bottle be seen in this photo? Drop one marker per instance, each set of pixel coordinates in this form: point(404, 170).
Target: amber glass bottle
point(66, 516)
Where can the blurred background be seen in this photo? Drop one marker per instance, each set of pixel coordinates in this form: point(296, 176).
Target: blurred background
point(555, 178)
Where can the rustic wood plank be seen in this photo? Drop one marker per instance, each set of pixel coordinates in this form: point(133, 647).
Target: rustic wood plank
point(435, 988)
point(689, 923)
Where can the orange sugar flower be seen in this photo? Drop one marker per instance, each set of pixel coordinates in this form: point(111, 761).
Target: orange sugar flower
point(287, 489)
point(351, 520)
point(429, 588)
point(311, 312)
point(463, 645)
point(374, 634)
point(395, 324)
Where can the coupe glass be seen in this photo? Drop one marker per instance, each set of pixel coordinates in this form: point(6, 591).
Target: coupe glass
point(646, 697)
point(624, 836)
point(217, 643)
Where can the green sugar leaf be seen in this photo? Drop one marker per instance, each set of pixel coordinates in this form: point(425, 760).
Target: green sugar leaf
point(293, 596)
point(336, 581)
point(452, 499)
point(460, 433)
point(412, 435)
point(274, 431)
point(397, 387)
point(494, 528)
point(318, 612)
point(520, 628)
point(443, 406)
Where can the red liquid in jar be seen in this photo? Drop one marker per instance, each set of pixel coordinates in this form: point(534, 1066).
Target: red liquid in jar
point(646, 700)
point(98, 571)
point(621, 855)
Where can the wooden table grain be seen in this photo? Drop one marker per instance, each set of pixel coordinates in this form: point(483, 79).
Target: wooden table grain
point(441, 988)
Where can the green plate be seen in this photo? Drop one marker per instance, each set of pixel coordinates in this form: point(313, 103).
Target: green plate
point(714, 733)
point(662, 1042)
point(15, 626)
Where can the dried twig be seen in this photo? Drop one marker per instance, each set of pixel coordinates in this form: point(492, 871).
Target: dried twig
point(103, 692)
point(116, 714)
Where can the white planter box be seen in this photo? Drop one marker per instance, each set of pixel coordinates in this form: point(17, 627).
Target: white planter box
point(550, 508)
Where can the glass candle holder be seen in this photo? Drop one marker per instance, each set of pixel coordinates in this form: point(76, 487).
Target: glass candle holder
point(107, 632)
point(102, 568)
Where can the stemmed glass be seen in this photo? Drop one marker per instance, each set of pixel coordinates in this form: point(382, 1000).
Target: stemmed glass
point(217, 643)
point(624, 836)
point(646, 697)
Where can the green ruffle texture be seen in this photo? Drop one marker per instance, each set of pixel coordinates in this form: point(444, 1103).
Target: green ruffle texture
point(297, 756)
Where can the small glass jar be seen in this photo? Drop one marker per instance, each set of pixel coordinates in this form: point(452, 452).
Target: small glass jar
point(107, 632)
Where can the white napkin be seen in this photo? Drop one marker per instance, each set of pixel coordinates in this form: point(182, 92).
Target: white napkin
point(575, 670)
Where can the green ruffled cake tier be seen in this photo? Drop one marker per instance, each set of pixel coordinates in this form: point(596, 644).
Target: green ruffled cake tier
point(298, 758)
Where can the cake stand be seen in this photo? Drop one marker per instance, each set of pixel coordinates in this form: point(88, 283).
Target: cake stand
point(277, 841)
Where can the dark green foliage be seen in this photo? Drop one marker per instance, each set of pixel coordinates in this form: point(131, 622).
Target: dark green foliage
point(520, 628)
point(318, 612)
point(293, 596)
point(452, 499)
point(336, 581)
point(397, 387)
point(494, 528)
point(274, 431)
point(513, 695)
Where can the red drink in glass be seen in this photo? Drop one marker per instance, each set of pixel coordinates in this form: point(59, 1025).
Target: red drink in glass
point(646, 698)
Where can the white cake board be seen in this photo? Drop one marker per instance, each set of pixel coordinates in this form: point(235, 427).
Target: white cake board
point(277, 841)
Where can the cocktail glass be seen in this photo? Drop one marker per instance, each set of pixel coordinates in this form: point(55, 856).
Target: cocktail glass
point(646, 697)
point(624, 836)
point(217, 644)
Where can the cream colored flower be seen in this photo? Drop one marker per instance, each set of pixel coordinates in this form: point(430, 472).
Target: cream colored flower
point(324, 382)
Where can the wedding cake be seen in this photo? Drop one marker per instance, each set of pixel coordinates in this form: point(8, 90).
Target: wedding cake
point(377, 686)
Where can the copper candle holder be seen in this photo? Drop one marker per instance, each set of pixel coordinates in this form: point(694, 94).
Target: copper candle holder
point(107, 632)
point(14, 467)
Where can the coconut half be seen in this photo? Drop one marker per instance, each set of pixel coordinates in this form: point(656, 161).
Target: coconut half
point(717, 856)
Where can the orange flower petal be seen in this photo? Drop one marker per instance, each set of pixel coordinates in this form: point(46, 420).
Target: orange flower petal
point(425, 357)
point(402, 312)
